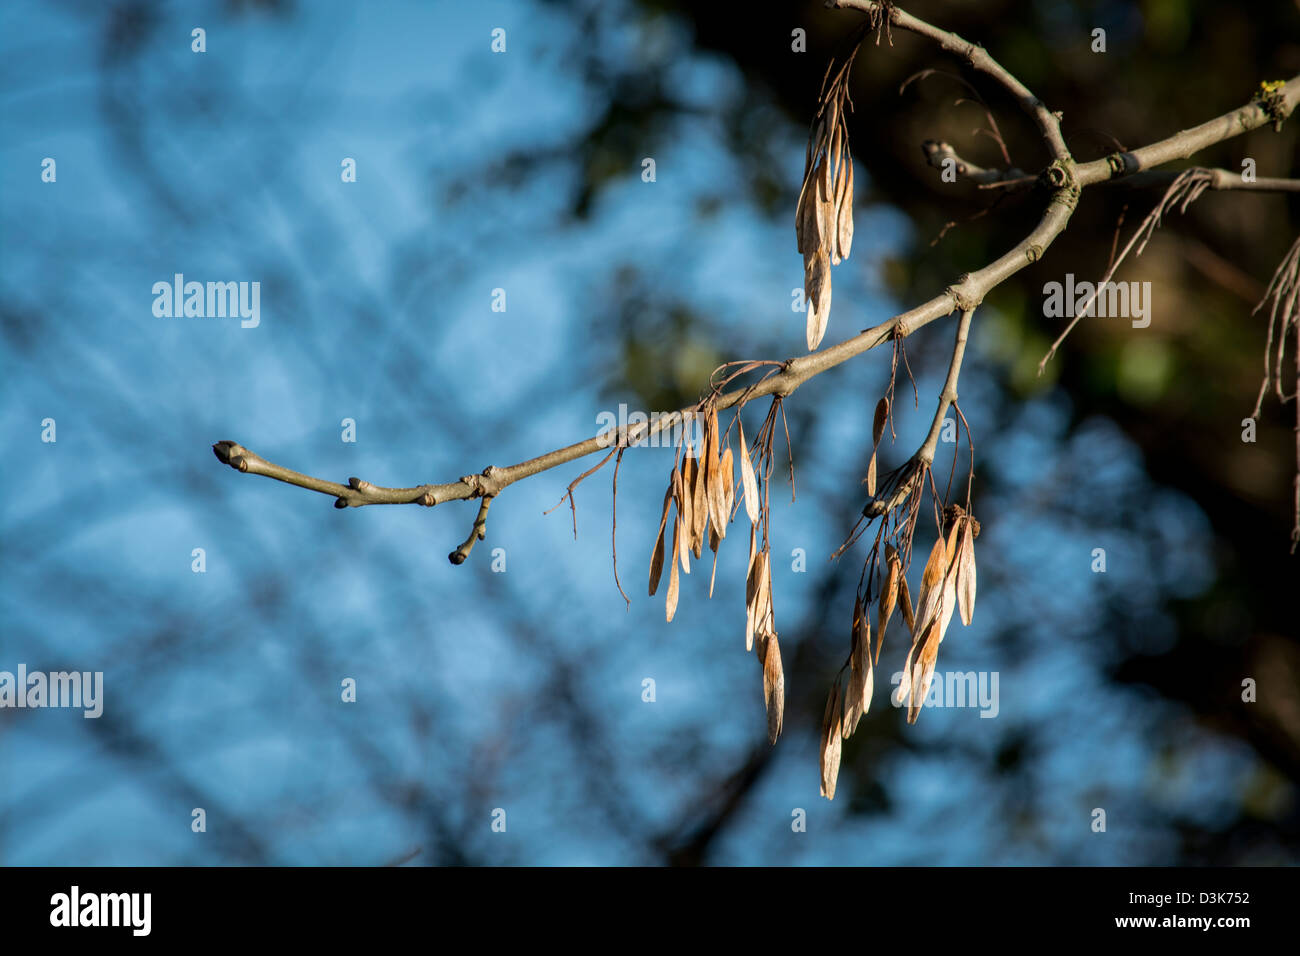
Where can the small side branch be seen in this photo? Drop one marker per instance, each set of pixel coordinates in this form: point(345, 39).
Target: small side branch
point(1049, 123)
point(937, 152)
point(949, 394)
point(476, 533)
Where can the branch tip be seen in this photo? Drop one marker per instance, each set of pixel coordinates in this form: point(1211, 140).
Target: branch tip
point(476, 533)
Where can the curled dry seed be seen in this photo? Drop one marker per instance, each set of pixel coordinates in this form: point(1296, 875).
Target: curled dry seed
point(747, 477)
point(948, 603)
point(836, 154)
point(923, 672)
point(888, 593)
point(713, 487)
point(877, 430)
point(728, 468)
point(825, 197)
point(773, 687)
point(714, 541)
point(657, 555)
point(680, 553)
point(831, 135)
point(824, 191)
point(831, 742)
point(684, 515)
point(843, 201)
point(699, 507)
point(860, 676)
point(751, 588)
point(927, 604)
point(817, 293)
point(826, 217)
point(765, 619)
point(966, 574)
point(908, 616)
point(844, 220)
point(670, 602)
point(806, 218)
point(818, 231)
point(687, 505)
point(904, 688)
point(878, 422)
point(762, 603)
point(835, 151)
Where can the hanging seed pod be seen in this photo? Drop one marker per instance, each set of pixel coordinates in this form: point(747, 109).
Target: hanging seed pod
point(879, 420)
point(858, 692)
point(927, 604)
point(966, 573)
point(888, 593)
point(684, 499)
point(728, 470)
point(844, 217)
point(670, 602)
point(699, 507)
point(747, 477)
point(832, 740)
point(923, 672)
point(908, 616)
point(773, 686)
point(817, 293)
point(751, 590)
point(657, 555)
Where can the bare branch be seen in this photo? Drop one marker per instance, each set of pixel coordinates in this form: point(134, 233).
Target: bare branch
point(1063, 177)
point(949, 394)
point(476, 533)
point(1182, 145)
point(937, 152)
point(1049, 123)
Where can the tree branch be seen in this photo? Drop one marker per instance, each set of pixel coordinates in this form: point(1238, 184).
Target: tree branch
point(1049, 123)
point(1063, 177)
point(476, 533)
point(949, 393)
point(1182, 145)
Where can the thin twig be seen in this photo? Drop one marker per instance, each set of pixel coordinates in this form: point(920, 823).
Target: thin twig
point(1049, 124)
point(949, 394)
point(477, 533)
